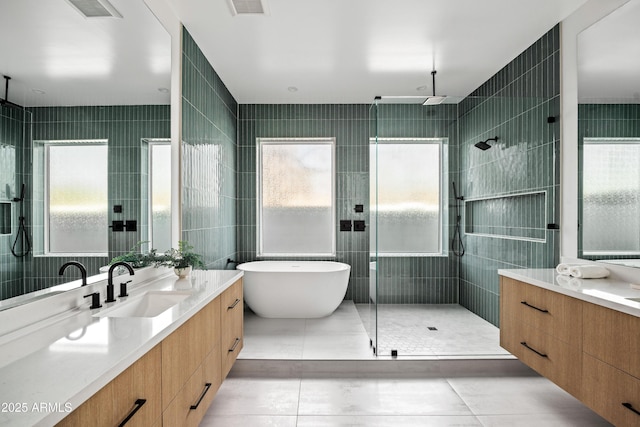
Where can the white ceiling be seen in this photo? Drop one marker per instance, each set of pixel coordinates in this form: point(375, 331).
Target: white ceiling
point(48, 46)
point(332, 51)
point(609, 58)
point(348, 51)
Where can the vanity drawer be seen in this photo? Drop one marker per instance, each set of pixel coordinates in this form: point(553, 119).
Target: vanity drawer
point(185, 349)
point(135, 392)
point(612, 337)
point(191, 402)
point(231, 323)
point(607, 390)
point(559, 361)
point(550, 312)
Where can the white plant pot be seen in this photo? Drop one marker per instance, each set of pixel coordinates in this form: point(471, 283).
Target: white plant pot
point(182, 272)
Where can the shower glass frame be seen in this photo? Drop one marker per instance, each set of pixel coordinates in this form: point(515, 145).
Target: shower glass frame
point(373, 257)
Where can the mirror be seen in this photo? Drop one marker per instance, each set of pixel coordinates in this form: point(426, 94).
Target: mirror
point(77, 78)
point(609, 138)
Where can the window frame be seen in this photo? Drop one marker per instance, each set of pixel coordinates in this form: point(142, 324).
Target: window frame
point(151, 142)
point(601, 141)
point(443, 215)
point(260, 142)
point(47, 144)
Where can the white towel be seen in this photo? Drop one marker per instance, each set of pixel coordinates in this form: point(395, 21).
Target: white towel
point(563, 268)
point(589, 272)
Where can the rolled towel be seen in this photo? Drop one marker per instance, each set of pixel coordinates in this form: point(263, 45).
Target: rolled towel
point(589, 272)
point(563, 268)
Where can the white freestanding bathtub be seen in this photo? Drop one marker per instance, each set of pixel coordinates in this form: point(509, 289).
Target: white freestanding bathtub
point(294, 289)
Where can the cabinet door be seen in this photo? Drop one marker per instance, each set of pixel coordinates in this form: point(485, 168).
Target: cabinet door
point(551, 312)
point(96, 411)
point(193, 400)
point(179, 412)
point(611, 393)
point(137, 391)
point(114, 402)
point(232, 331)
point(556, 360)
point(184, 350)
point(607, 335)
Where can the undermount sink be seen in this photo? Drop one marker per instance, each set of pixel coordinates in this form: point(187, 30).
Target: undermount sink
point(634, 299)
point(151, 304)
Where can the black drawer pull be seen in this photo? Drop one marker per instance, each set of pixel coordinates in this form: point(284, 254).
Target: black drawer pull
point(235, 344)
point(630, 407)
point(137, 405)
point(534, 307)
point(524, 343)
point(234, 304)
point(207, 386)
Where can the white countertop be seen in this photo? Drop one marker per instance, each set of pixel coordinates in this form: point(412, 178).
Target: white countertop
point(65, 360)
point(611, 293)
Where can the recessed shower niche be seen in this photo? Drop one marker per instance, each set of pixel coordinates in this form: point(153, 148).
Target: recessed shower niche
point(5, 218)
point(521, 216)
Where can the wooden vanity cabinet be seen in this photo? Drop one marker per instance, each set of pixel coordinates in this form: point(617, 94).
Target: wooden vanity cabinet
point(611, 392)
point(191, 367)
point(194, 367)
point(543, 329)
point(186, 348)
point(231, 310)
point(120, 398)
point(589, 350)
point(178, 378)
point(611, 366)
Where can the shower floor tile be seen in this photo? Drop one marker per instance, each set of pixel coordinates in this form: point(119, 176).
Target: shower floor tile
point(433, 330)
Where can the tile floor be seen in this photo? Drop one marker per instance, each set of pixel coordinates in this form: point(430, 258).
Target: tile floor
point(458, 332)
point(321, 372)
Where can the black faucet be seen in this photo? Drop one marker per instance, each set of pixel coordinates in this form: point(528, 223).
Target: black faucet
point(110, 297)
point(83, 270)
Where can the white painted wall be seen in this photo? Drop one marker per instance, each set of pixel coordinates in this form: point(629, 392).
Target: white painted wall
point(169, 19)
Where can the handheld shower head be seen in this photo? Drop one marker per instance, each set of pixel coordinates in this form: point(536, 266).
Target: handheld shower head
point(483, 145)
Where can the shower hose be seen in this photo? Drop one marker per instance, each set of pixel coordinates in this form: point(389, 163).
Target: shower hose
point(457, 247)
point(25, 243)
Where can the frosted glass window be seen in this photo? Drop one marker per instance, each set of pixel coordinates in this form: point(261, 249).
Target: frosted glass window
point(611, 196)
point(296, 197)
point(76, 198)
point(8, 172)
point(407, 205)
point(160, 183)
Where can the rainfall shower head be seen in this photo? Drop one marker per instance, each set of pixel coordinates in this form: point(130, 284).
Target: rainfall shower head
point(483, 145)
point(434, 99)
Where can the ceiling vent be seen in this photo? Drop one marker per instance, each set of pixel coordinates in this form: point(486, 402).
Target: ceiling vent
point(95, 8)
point(248, 7)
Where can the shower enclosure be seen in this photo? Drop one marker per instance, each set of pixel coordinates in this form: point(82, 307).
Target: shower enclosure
point(413, 305)
point(15, 243)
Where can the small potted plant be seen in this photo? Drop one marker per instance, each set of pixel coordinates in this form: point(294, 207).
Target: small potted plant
point(135, 257)
point(182, 260)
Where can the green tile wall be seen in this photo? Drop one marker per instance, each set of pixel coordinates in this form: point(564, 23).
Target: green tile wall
point(420, 280)
point(349, 125)
point(11, 143)
point(124, 127)
point(604, 121)
point(209, 125)
point(513, 105)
